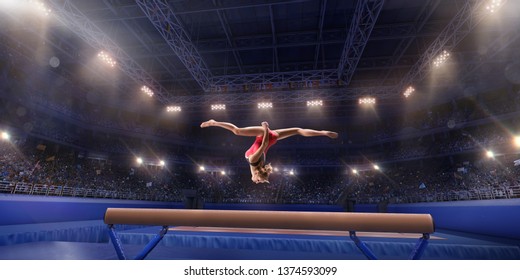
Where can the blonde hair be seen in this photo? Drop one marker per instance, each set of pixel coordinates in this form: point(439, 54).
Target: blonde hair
point(265, 171)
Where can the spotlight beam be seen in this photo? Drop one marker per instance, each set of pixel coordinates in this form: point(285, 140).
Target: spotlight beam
point(139, 33)
point(68, 14)
point(505, 39)
point(61, 46)
point(463, 23)
point(418, 25)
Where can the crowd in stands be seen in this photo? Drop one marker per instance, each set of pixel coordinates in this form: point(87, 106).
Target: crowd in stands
point(449, 115)
point(481, 179)
point(54, 170)
point(37, 166)
point(476, 140)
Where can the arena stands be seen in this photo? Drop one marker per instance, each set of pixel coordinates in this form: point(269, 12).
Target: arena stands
point(43, 169)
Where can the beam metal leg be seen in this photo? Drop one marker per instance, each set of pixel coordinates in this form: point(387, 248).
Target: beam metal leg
point(362, 246)
point(151, 245)
point(116, 242)
point(420, 246)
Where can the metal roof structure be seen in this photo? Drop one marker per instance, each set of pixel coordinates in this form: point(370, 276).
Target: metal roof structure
point(193, 53)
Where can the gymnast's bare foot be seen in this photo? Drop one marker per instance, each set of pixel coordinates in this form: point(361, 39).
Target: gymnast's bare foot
point(207, 123)
point(331, 134)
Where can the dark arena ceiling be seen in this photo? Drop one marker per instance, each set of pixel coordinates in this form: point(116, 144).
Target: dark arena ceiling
point(194, 54)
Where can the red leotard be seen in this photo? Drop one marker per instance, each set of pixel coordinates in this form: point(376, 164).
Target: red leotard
point(273, 137)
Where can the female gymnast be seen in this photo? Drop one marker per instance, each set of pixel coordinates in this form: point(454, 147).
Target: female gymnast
point(265, 138)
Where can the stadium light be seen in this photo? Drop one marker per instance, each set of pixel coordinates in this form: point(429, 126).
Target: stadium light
point(439, 60)
point(265, 105)
point(408, 91)
point(40, 6)
point(516, 140)
point(147, 90)
point(376, 167)
point(173, 109)
point(490, 154)
point(367, 101)
point(493, 5)
point(223, 172)
point(315, 103)
point(5, 135)
point(354, 171)
point(202, 168)
point(139, 160)
point(107, 59)
point(162, 163)
point(218, 107)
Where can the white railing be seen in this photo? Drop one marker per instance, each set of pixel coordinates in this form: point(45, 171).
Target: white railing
point(67, 191)
point(6, 187)
point(39, 190)
point(54, 190)
point(514, 192)
point(24, 188)
point(504, 192)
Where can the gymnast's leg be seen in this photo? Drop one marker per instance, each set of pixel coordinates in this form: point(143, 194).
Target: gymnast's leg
point(288, 132)
point(241, 131)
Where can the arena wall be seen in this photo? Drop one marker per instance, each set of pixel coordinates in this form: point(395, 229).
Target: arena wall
point(29, 209)
point(497, 217)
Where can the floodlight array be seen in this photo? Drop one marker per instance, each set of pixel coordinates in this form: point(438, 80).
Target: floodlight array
point(408, 91)
point(493, 5)
point(439, 60)
point(265, 105)
point(315, 103)
point(218, 107)
point(147, 90)
point(173, 109)
point(107, 59)
point(367, 101)
point(42, 7)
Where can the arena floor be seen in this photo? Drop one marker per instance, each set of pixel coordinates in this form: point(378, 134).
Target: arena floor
point(88, 240)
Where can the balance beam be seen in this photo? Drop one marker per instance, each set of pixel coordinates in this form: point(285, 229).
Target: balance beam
point(372, 222)
point(338, 221)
